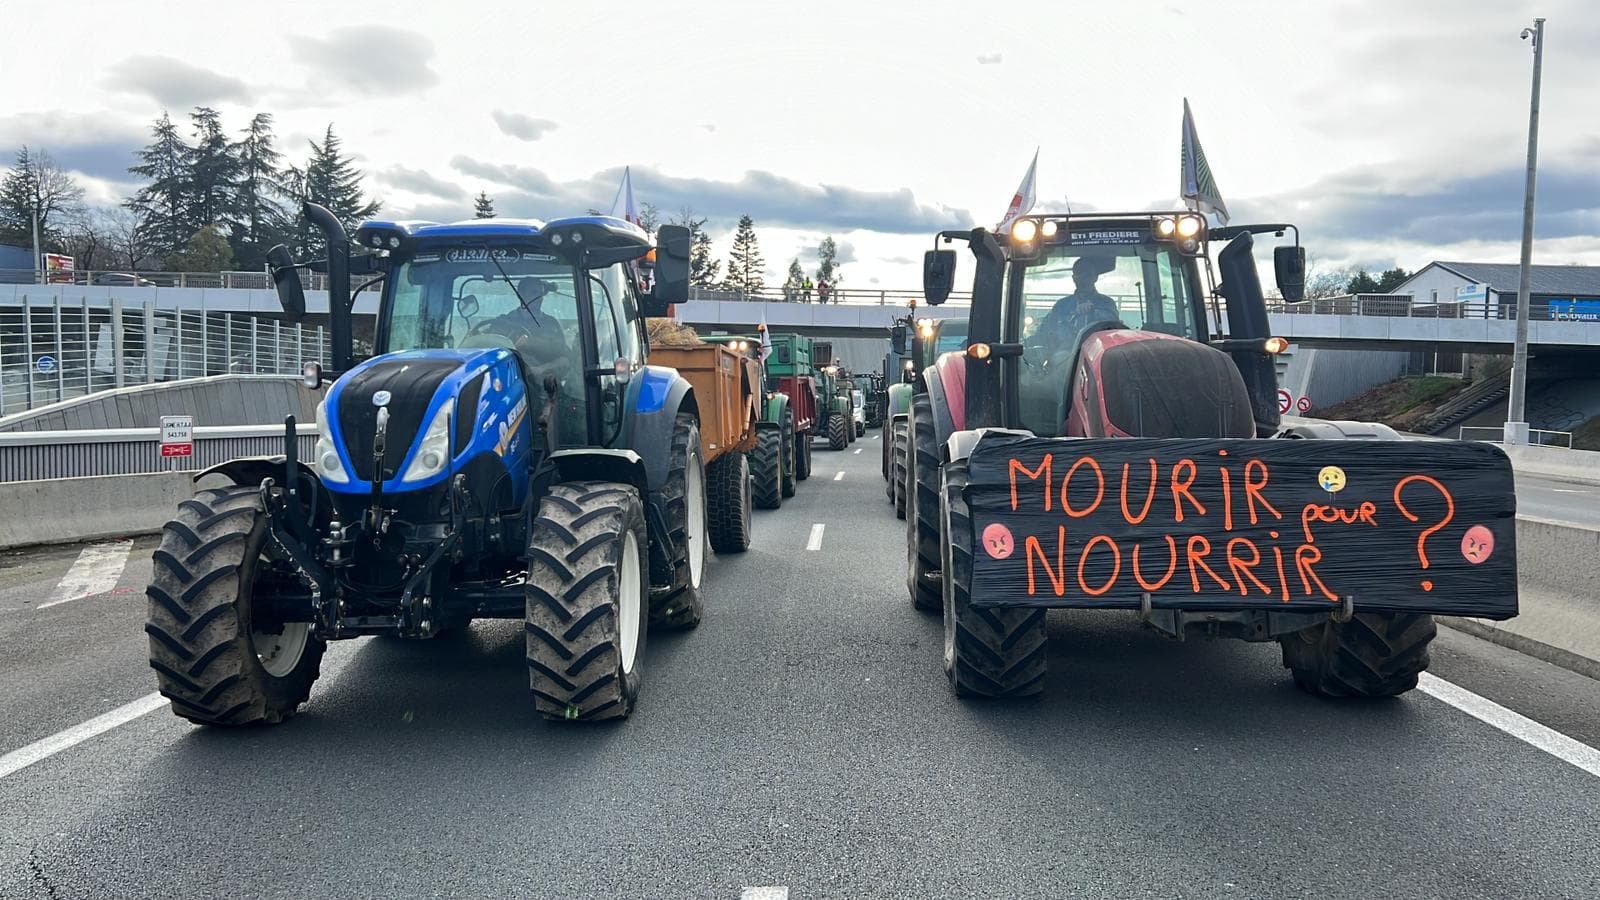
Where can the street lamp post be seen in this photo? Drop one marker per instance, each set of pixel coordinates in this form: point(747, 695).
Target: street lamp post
point(1516, 428)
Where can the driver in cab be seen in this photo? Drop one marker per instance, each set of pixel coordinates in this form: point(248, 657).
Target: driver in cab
point(1060, 330)
point(527, 329)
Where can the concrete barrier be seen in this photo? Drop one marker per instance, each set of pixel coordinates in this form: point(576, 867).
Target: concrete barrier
point(77, 509)
point(1556, 462)
point(1558, 567)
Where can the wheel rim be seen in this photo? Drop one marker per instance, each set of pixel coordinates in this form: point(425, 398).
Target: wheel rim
point(628, 600)
point(695, 532)
point(280, 653)
point(948, 593)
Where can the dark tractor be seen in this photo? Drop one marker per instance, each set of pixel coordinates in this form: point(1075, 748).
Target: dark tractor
point(506, 453)
point(1112, 325)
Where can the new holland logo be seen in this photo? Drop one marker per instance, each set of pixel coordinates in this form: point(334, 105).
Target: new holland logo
point(381, 398)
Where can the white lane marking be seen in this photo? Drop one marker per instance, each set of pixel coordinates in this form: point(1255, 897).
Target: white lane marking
point(44, 748)
point(96, 572)
point(773, 892)
point(1556, 490)
point(839, 477)
point(815, 541)
point(858, 449)
point(1515, 724)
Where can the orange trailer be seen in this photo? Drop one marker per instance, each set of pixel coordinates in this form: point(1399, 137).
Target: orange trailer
point(727, 391)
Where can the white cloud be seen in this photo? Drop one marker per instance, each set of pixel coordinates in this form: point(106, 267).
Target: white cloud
point(522, 127)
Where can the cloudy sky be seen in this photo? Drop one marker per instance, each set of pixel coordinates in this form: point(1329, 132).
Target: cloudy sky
point(1392, 132)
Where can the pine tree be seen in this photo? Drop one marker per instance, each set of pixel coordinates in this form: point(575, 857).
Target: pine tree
point(206, 251)
point(331, 179)
point(745, 264)
point(483, 206)
point(795, 285)
point(703, 270)
point(36, 187)
point(259, 216)
point(827, 265)
point(162, 203)
point(213, 173)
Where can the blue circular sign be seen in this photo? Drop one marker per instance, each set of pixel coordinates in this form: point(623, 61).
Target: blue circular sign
point(47, 364)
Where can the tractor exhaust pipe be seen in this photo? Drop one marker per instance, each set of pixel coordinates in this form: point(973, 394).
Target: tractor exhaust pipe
point(340, 332)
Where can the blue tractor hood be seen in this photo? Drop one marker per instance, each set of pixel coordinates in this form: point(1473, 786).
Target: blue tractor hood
point(475, 397)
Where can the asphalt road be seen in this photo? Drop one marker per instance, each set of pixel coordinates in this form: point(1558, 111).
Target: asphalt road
point(802, 737)
point(1562, 501)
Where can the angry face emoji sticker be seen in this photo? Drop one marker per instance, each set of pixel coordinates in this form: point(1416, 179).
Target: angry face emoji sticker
point(1477, 544)
point(1331, 479)
point(998, 542)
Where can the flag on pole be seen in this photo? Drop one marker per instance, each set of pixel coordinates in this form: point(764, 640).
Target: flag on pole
point(766, 339)
point(630, 212)
point(1199, 186)
point(1022, 200)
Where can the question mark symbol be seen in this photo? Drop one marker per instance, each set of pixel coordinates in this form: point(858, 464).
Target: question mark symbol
point(1422, 539)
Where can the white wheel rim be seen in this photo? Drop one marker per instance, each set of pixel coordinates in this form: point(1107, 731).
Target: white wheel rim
point(628, 600)
point(280, 653)
point(695, 531)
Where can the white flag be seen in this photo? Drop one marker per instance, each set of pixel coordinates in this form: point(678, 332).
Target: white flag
point(766, 339)
point(1022, 201)
point(630, 212)
point(1199, 186)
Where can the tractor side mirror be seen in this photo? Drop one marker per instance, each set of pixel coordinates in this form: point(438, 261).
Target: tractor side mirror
point(938, 275)
point(897, 339)
point(673, 246)
point(291, 293)
point(467, 306)
point(1290, 266)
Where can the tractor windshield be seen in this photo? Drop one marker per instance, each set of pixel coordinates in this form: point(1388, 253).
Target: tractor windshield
point(1072, 291)
point(460, 299)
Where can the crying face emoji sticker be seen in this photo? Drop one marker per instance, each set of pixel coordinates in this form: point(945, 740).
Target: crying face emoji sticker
point(1477, 544)
point(997, 541)
point(1331, 479)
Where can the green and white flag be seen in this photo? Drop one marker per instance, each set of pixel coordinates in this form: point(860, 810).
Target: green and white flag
point(1199, 186)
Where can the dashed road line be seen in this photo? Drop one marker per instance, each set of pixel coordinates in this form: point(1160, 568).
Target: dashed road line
point(44, 748)
point(1515, 724)
point(772, 892)
point(97, 570)
point(839, 477)
point(815, 541)
point(858, 449)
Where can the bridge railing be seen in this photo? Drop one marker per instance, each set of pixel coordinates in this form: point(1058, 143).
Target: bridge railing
point(1493, 434)
point(41, 455)
point(53, 350)
point(313, 281)
point(1407, 306)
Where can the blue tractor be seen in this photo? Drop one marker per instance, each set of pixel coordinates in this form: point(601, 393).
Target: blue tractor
point(506, 453)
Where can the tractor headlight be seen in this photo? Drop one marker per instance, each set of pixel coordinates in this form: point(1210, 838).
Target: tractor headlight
point(1024, 230)
point(1189, 226)
point(1049, 228)
point(1165, 228)
point(434, 452)
point(329, 466)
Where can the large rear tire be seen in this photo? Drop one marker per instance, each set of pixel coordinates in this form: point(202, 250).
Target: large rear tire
point(210, 662)
point(675, 600)
point(766, 468)
point(987, 652)
point(883, 451)
point(587, 593)
point(802, 455)
point(838, 435)
point(897, 469)
point(1372, 655)
point(922, 510)
point(728, 503)
point(790, 452)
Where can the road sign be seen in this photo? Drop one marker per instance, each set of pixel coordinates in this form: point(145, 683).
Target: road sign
point(177, 436)
point(46, 364)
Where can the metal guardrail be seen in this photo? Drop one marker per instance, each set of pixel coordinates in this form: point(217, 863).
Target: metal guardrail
point(1534, 433)
point(39, 455)
point(1405, 306)
point(313, 281)
point(53, 349)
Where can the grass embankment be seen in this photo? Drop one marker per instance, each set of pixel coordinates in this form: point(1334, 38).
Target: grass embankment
point(1400, 404)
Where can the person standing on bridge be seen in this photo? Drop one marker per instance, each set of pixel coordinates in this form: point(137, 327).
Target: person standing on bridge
point(805, 288)
point(822, 290)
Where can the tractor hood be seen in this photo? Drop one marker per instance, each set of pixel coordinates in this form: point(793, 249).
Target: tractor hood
point(471, 396)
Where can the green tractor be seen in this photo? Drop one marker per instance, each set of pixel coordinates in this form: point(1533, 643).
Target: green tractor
point(834, 405)
point(917, 342)
point(773, 462)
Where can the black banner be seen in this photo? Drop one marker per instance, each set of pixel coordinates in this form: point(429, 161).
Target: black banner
point(1400, 526)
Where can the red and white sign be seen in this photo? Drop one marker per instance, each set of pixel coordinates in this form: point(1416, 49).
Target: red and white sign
point(58, 268)
point(177, 436)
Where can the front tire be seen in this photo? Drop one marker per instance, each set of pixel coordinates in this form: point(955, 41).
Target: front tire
point(210, 662)
point(838, 436)
point(766, 468)
point(897, 469)
point(675, 600)
point(586, 597)
point(987, 652)
point(922, 509)
point(728, 503)
point(1372, 655)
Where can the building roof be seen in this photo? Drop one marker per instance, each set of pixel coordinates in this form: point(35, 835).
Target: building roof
point(1504, 278)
